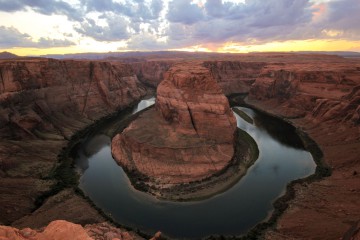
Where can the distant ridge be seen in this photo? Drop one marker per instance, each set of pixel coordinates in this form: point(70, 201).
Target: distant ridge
point(346, 54)
point(7, 55)
point(176, 54)
point(135, 54)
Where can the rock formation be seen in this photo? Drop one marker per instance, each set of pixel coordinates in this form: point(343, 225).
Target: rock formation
point(55, 230)
point(189, 135)
point(320, 95)
point(63, 230)
point(43, 103)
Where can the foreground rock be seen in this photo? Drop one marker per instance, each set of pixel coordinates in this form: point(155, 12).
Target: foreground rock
point(188, 137)
point(63, 230)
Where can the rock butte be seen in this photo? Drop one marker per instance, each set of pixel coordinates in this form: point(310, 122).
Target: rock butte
point(189, 135)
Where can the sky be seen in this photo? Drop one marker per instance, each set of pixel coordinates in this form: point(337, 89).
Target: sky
point(36, 27)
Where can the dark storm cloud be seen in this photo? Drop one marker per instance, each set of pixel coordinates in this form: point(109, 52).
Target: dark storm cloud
point(46, 7)
point(11, 37)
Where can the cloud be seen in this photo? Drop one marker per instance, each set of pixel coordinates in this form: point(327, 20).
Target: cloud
point(10, 37)
point(144, 24)
point(342, 17)
point(116, 29)
point(46, 7)
point(219, 21)
point(49, 43)
point(121, 19)
point(184, 12)
point(11, 6)
point(137, 10)
point(145, 41)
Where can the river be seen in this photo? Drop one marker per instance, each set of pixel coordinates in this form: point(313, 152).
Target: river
point(282, 159)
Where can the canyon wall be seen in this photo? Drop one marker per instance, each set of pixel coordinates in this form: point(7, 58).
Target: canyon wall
point(321, 96)
point(43, 102)
point(235, 76)
point(151, 73)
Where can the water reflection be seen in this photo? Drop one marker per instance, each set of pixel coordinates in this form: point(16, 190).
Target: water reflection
point(144, 104)
point(230, 213)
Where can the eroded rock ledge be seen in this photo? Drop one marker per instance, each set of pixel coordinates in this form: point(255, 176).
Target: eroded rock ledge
point(61, 230)
point(187, 137)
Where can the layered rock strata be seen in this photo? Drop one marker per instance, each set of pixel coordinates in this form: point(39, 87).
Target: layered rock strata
point(187, 137)
point(320, 95)
point(43, 103)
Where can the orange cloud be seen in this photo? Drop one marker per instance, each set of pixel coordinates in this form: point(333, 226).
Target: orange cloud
point(320, 10)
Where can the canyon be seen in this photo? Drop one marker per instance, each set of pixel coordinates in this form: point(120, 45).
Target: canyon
point(189, 135)
point(46, 102)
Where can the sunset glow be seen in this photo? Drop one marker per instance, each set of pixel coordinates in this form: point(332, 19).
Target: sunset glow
point(77, 26)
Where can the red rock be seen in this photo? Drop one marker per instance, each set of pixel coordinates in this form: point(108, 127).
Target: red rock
point(43, 102)
point(56, 230)
point(188, 136)
point(61, 94)
point(59, 230)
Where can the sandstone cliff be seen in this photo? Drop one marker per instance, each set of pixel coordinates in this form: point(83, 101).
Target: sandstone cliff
point(189, 136)
point(151, 73)
point(43, 102)
point(320, 95)
point(235, 76)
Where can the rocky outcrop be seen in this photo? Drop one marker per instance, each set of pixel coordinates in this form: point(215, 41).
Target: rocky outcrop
point(191, 100)
point(55, 230)
point(43, 102)
point(61, 230)
point(189, 135)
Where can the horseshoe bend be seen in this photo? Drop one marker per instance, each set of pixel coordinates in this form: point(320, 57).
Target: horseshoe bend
point(186, 147)
point(189, 135)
